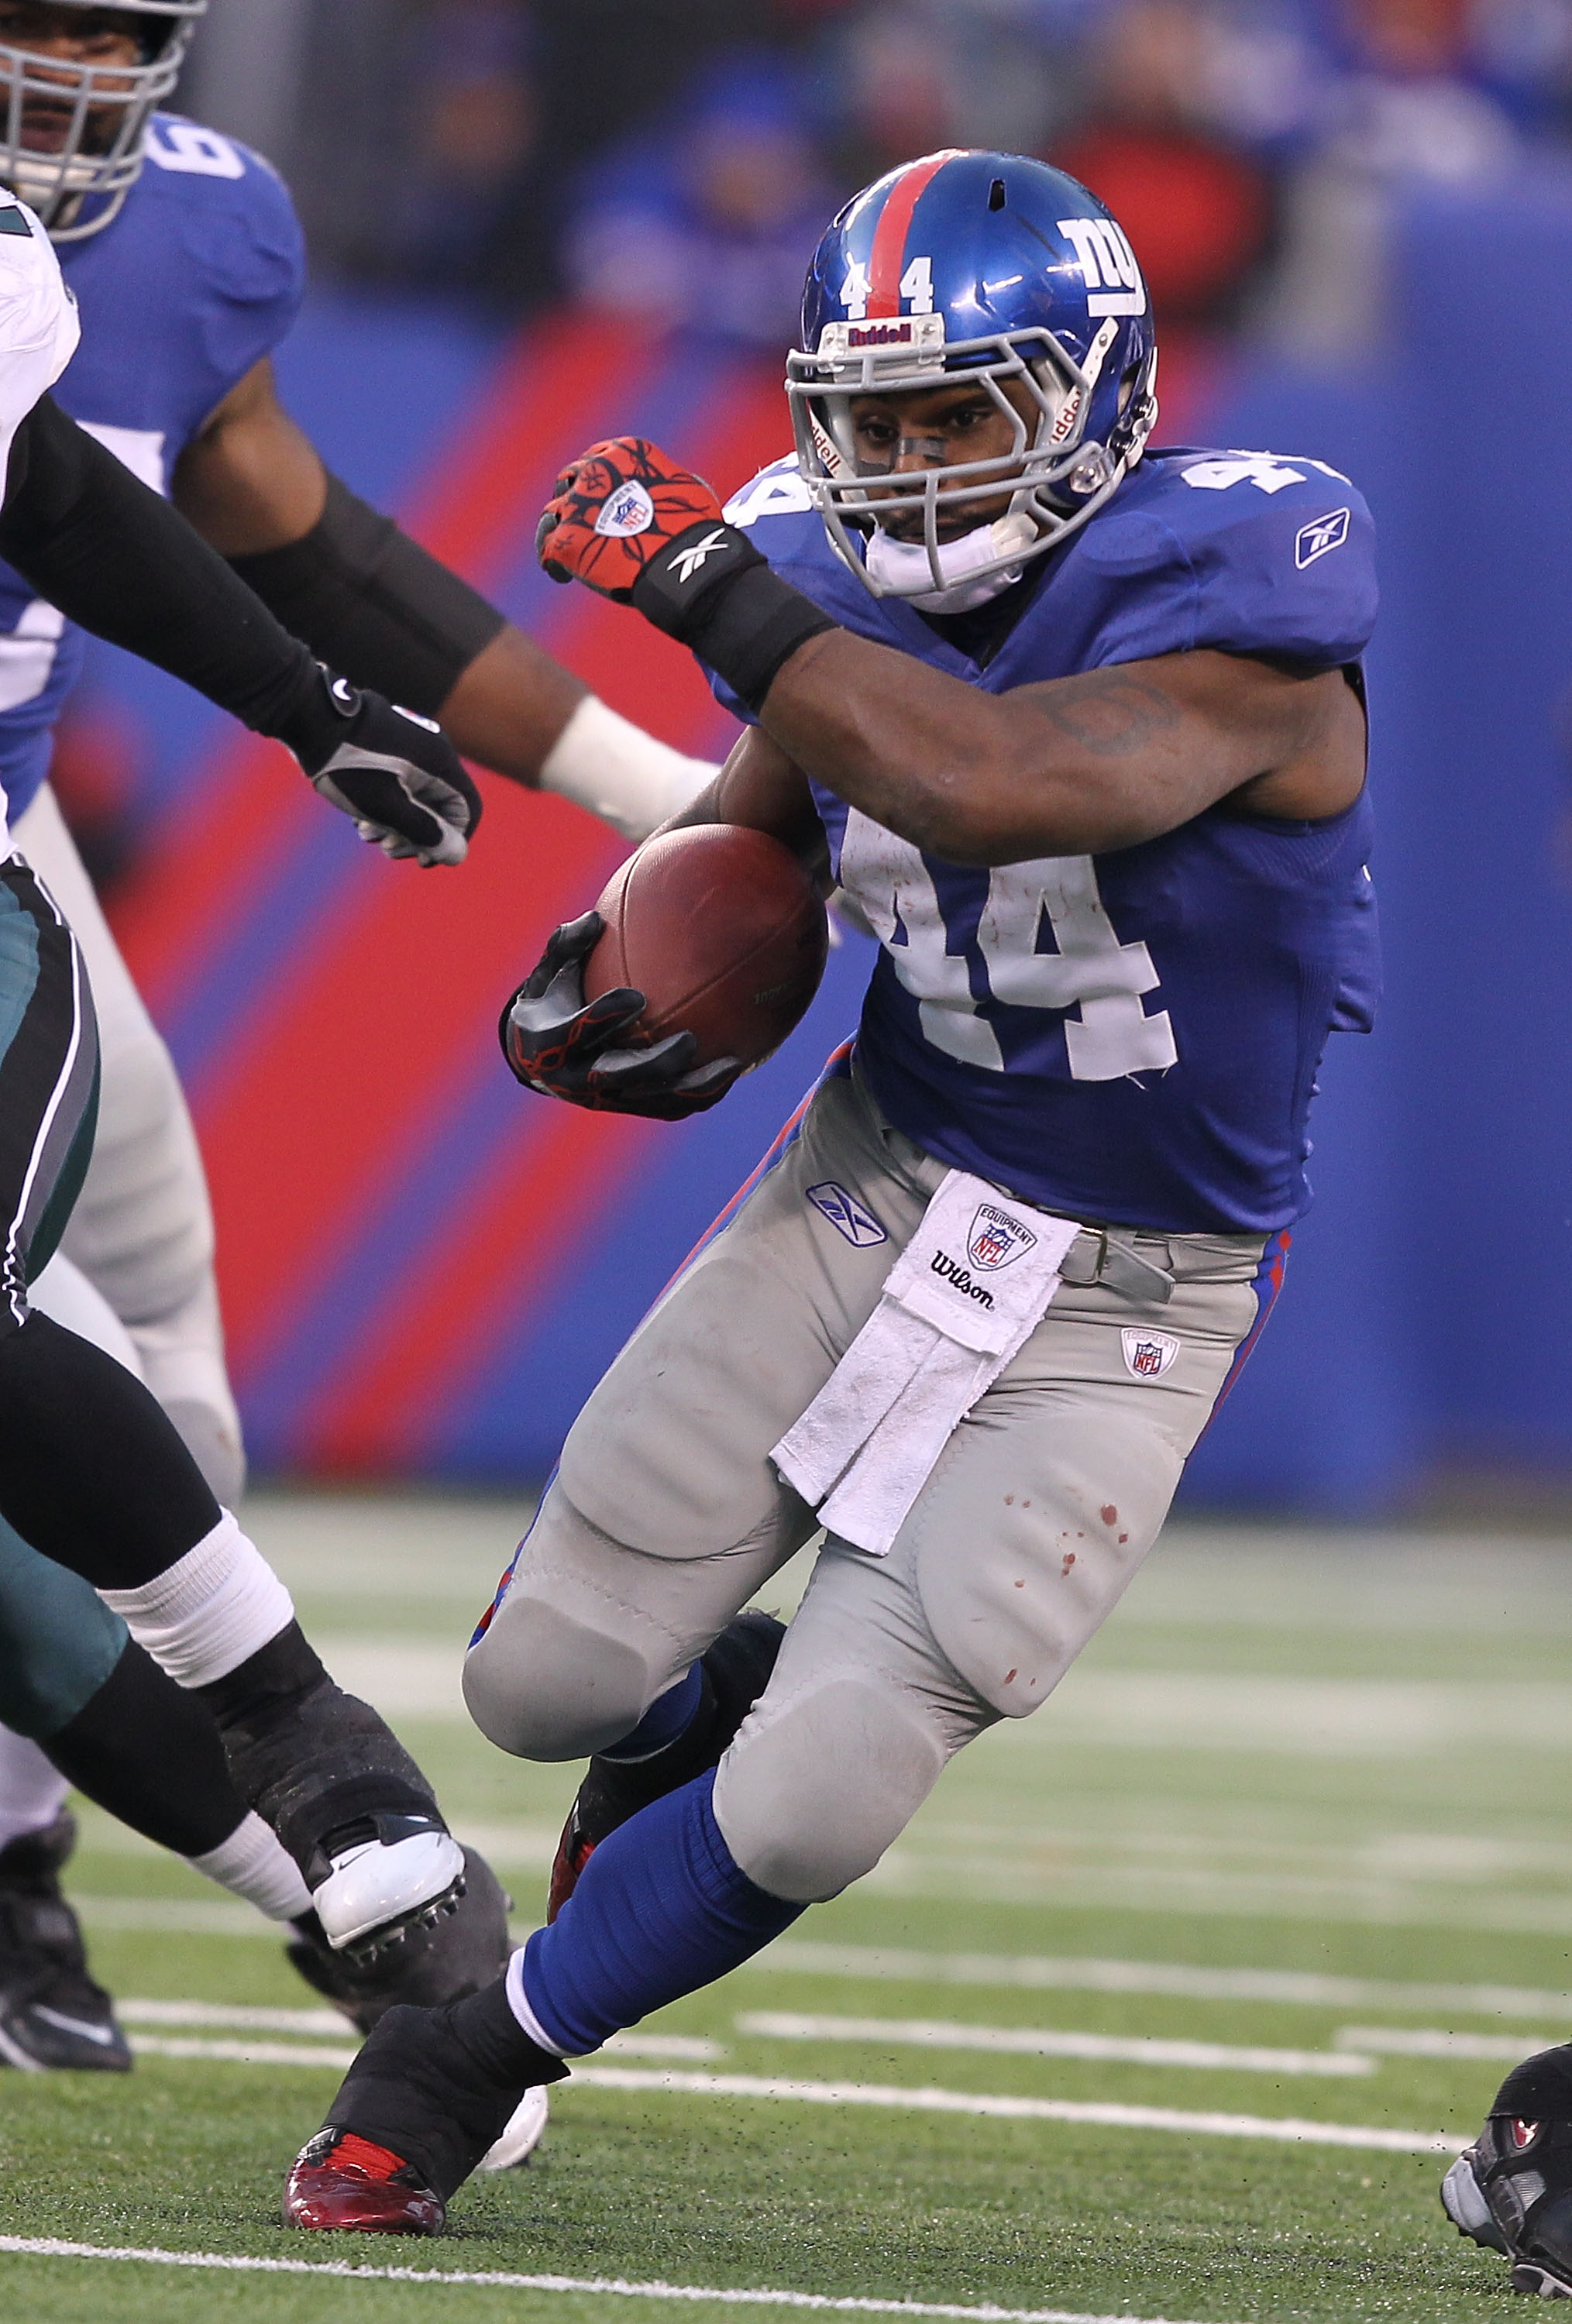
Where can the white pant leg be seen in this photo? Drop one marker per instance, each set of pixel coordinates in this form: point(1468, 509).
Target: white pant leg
point(142, 1229)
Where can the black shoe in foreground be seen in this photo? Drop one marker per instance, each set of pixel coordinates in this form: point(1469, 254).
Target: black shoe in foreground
point(733, 1673)
point(53, 2015)
point(345, 1797)
point(422, 2106)
point(1511, 2191)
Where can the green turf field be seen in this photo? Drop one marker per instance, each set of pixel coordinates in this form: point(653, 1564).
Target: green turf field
point(1292, 1847)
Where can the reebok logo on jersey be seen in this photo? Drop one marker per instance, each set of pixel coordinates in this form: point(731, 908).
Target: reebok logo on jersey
point(1148, 1354)
point(952, 1271)
point(1320, 537)
point(630, 510)
point(997, 1238)
point(686, 565)
point(847, 1215)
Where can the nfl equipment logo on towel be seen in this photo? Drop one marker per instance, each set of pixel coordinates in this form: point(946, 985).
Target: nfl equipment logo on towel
point(1148, 1354)
point(997, 1238)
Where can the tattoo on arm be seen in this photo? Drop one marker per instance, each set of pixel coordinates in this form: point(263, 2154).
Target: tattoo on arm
point(1108, 713)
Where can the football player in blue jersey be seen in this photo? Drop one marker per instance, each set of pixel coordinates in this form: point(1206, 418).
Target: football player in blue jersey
point(1080, 728)
point(185, 258)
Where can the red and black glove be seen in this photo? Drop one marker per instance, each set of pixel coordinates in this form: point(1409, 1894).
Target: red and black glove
point(627, 521)
point(565, 1046)
point(613, 509)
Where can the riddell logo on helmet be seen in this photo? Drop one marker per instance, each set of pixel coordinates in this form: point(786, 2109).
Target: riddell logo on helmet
point(878, 335)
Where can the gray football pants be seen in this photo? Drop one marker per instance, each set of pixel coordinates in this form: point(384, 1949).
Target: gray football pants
point(666, 1515)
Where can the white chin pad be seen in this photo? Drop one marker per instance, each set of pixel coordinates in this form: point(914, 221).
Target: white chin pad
point(373, 1885)
point(521, 2137)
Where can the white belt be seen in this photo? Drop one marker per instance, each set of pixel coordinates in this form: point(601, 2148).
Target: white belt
point(961, 1300)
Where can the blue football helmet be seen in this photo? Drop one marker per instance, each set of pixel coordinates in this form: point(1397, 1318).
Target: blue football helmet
point(1002, 268)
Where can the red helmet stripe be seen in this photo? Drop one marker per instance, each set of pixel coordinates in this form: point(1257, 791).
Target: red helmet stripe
point(885, 260)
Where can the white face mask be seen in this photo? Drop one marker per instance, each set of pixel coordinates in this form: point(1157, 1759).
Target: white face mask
point(899, 565)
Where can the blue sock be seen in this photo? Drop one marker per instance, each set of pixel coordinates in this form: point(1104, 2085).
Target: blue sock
point(661, 1909)
point(668, 1717)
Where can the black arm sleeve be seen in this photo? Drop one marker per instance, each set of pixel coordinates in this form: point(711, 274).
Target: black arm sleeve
point(113, 556)
point(373, 603)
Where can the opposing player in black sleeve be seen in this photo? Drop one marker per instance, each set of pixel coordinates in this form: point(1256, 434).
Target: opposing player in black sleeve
point(91, 1471)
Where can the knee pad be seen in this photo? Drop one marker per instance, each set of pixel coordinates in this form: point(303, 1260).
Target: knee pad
point(584, 1639)
point(814, 1790)
point(544, 1683)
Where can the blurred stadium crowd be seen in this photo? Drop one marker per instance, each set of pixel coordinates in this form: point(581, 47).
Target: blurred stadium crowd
point(676, 158)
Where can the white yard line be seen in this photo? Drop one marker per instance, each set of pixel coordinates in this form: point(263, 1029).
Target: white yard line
point(795, 1958)
point(915, 2101)
point(614, 2287)
point(1039, 2042)
point(692, 2048)
point(1433, 2041)
point(899, 2099)
point(243, 2018)
point(241, 2054)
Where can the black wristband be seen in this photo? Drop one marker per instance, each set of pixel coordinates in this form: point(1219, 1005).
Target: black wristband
point(713, 592)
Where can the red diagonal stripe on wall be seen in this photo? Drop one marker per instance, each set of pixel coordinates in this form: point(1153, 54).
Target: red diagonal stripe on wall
point(234, 840)
point(451, 1309)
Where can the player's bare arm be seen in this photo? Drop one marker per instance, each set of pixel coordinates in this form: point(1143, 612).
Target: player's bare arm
point(377, 604)
point(1076, 767)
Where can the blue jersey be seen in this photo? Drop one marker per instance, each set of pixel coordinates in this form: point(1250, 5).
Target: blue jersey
point(196, 280)
point(1130, 1036)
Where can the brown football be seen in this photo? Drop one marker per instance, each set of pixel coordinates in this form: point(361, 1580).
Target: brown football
point(723, 932)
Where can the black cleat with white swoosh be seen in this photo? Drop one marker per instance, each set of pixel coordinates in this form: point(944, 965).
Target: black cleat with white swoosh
point(53, 2015)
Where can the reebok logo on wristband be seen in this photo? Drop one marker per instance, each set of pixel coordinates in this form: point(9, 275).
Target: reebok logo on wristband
point(688, 562)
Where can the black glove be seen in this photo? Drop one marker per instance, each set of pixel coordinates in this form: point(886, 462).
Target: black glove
point(563, 1046)
point(395, 772)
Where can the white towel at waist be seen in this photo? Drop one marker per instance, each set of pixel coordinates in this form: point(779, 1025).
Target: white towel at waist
point(961, 1300)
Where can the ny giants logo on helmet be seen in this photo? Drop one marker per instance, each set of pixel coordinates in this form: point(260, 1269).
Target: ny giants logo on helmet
point(997, 1238)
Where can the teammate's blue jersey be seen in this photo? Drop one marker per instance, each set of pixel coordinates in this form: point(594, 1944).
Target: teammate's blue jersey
point(1131, 1036)
point(196, 280)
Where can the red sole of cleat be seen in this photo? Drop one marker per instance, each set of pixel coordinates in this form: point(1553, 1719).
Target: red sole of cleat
point(318, 2195)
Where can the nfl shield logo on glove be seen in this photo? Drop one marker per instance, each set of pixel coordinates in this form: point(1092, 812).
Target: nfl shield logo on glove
point(997, 1238)
point(630, 510)
point(1148, 1354)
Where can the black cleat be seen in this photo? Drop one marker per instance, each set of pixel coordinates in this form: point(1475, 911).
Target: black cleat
point(465, 1950)
point(735, 1672)
point(423, 2105)
point(345, 1797)
point(53, 2015)
point(1511, 2191)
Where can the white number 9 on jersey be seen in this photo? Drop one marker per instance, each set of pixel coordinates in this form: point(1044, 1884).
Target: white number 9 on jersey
point(1090, 970)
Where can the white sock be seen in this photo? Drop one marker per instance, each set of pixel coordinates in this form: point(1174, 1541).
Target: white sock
point(201, 1617)
point(603, 762)
point(31, 1792)
point(254, 1863)
point(518, 2002)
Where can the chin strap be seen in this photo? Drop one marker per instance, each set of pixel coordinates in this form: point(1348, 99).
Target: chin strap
point(901, 567)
